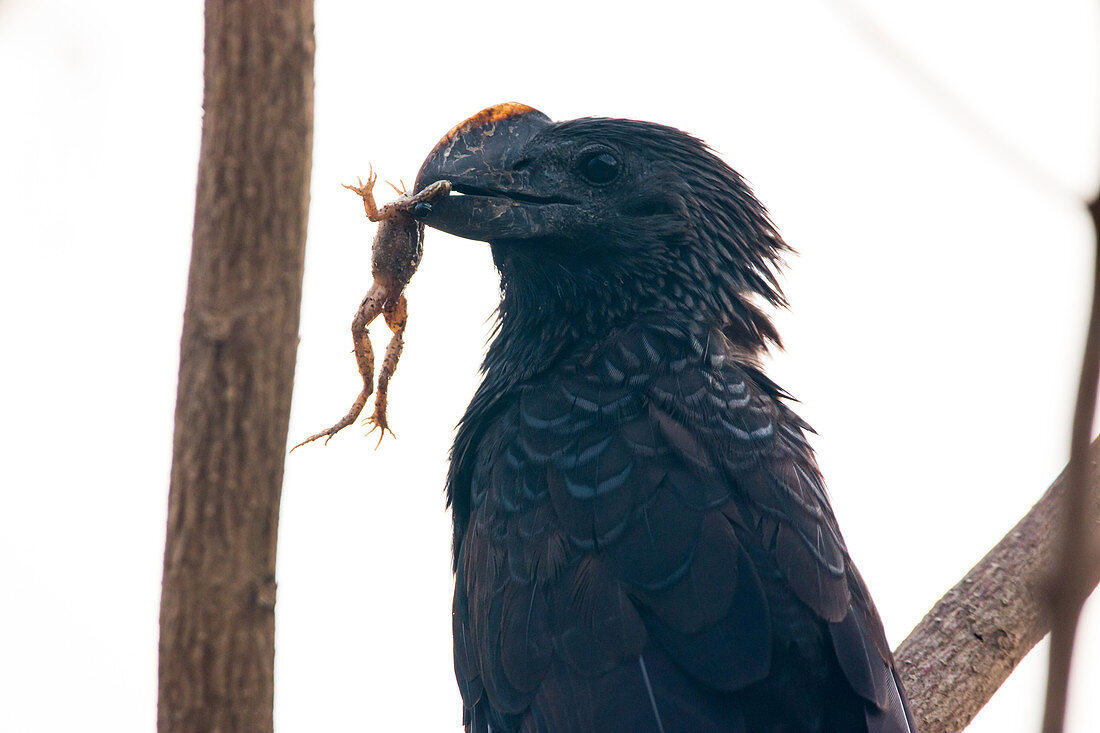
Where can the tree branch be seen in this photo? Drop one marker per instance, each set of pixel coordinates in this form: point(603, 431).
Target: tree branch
point(1069, 585)
point(972, 639)
point(946, 100)
point(237, 355)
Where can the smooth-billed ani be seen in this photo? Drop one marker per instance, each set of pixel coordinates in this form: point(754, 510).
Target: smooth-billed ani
point(642, 538)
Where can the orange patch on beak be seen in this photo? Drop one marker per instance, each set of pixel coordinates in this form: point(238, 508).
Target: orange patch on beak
point(487, 116)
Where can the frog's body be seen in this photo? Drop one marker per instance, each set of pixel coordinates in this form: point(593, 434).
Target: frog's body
point(398, 247)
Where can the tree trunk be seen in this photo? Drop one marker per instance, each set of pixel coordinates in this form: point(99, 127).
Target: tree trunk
point(238, 349)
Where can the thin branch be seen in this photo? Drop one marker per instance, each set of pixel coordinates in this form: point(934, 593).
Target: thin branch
point(966, 646)
point(972, 639)
point(948, 101)
point(1069, 586)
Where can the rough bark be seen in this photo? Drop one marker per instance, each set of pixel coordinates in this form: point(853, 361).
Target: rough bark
point(972, 639)
point(237, 360)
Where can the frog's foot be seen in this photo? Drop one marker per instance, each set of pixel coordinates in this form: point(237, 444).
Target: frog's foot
point(366, 192)
point(348, 419)
point(362, 189)
point(378, 421)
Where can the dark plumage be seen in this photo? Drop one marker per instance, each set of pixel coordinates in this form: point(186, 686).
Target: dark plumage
point(643, 540)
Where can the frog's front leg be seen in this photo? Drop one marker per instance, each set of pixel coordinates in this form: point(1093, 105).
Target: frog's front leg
point(437, 190)
point(407, 202)
point(366, 192)
point(369, 309)
point(396, 314)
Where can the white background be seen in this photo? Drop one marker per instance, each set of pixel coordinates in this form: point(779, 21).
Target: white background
point(937, 309)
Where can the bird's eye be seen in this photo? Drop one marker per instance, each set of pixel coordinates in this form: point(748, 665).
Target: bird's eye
point(598, 166)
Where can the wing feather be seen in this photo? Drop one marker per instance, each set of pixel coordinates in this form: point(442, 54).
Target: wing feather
point(613, 504)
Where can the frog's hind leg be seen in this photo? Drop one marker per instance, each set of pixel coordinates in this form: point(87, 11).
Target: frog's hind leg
point(396, 315)
point(364, 359)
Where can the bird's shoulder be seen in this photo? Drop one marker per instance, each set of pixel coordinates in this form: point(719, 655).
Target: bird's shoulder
point(663, 406)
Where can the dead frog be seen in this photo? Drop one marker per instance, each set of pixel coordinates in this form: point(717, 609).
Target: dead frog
point(395, 255)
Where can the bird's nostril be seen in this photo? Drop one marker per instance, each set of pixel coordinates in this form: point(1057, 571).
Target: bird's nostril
point(521, 164)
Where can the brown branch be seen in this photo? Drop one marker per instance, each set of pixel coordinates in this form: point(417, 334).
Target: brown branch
point(1069, 585)
point(966, 646)
point(237, 356)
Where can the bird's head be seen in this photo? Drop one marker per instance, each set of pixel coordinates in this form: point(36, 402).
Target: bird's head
point(594, 222)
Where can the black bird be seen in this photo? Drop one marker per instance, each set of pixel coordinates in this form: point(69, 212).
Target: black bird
point(642, 538)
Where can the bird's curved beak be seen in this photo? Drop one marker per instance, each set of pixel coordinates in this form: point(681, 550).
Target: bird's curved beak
point(490, 200)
